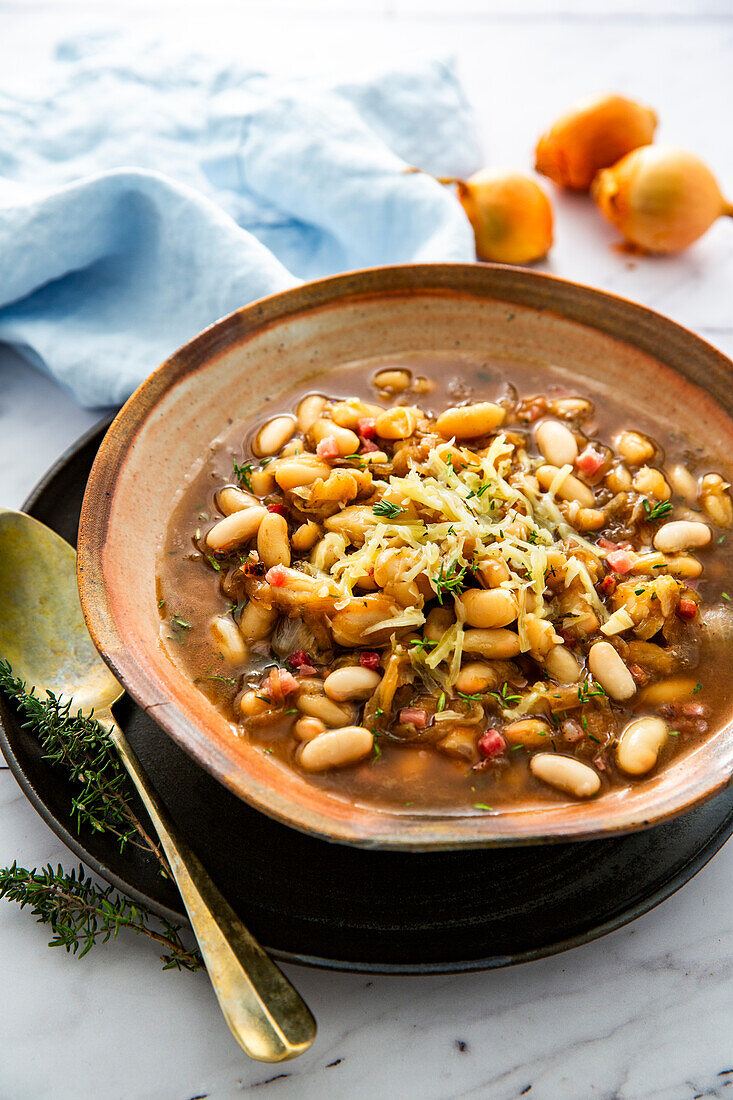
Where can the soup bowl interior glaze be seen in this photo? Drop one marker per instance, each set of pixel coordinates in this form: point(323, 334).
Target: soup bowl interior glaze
point(233, 370)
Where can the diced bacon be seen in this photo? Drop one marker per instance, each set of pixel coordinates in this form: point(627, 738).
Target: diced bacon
point(620, 561)
point(491, 743)
point(369, 659)
point(301, 662)
point(590, 461)
point(279, 684)
point(328, 447)
point(367, 427)
point(367, 446)
point(277, 576)
point(606, 544)
point(414, 716)
point(608, 584)
point(278, 509)
point(686, 608)
point(626, 546)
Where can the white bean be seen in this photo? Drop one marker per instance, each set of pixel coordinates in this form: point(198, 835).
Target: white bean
point(230, 500)
point(640, 745)
point(682, 534)
point(570, 488)
point(562, 665)
point(320, 706)
point(556, 442)
point(610, 671)
point(336, 748)
point(228, 640)
point(393, 381)
point(273, 544)
point(499, 644)
point(304, 470)
point(351, 682)
point(235, 529)
point(488, 607)
point(274, 435)
point(566, 773)
point(305, 729)
point(309, 410)
point(683, 483)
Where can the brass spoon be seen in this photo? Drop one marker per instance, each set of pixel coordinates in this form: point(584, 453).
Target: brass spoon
point(43, 636)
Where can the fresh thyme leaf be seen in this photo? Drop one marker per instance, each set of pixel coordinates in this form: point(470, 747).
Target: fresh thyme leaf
point(441, 702)
point(179, 623)
point(479, 492)
point(657, 511)
point(386, 508)
point(224, 679)
point(596, 739)
point(450, 580)
point(419, 645)
point(504, 698)
point(725, 595)
point(698, 687)
point(81, 914)
point(213, 562)
point(292, 710)
point(673, 733)
point(242, 473)
point(470, 698)
point(377, 750)
point(482, 806)
point(101, 791)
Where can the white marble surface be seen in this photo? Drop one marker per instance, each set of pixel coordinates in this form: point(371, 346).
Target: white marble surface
point(646, 1012)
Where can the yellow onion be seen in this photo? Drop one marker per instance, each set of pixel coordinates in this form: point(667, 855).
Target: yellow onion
point(593, 134)
point(661, 199)
point(510, 214)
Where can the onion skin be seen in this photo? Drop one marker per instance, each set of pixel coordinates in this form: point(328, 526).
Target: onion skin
point(593, 134)
point(661, 199)
point(511, 216)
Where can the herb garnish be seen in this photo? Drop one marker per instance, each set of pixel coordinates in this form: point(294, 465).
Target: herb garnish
point(504, 698)
point(657, 511)
point(441, 702)
point(449, 580)
point(386, 508)
point(421, 644)
point(698, 687)
point(242, 473)
point(482, 806)
point(179, 627)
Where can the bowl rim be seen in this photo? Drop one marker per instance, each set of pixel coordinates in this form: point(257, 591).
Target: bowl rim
point(479, 280)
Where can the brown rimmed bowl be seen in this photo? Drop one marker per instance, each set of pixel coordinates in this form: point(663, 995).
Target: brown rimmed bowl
point(235, 367)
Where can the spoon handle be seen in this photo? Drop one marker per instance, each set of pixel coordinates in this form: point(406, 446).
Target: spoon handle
point(266, 1015)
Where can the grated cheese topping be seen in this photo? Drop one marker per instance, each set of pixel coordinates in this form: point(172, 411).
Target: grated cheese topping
point(456, 511)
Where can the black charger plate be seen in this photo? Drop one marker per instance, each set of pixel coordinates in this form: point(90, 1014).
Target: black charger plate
point(334, 906)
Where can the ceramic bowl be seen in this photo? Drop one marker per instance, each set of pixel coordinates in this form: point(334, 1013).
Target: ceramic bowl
point(234, 367)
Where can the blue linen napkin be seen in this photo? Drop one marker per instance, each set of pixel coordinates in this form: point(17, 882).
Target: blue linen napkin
point(144, 194)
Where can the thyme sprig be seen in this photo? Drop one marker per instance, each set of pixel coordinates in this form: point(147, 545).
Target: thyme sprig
point(80, 913)
point(79, 745)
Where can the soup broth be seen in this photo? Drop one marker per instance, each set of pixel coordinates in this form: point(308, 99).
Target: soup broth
point(449, 582)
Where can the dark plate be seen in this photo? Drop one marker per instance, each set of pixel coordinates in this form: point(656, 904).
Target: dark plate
point(347, 908)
